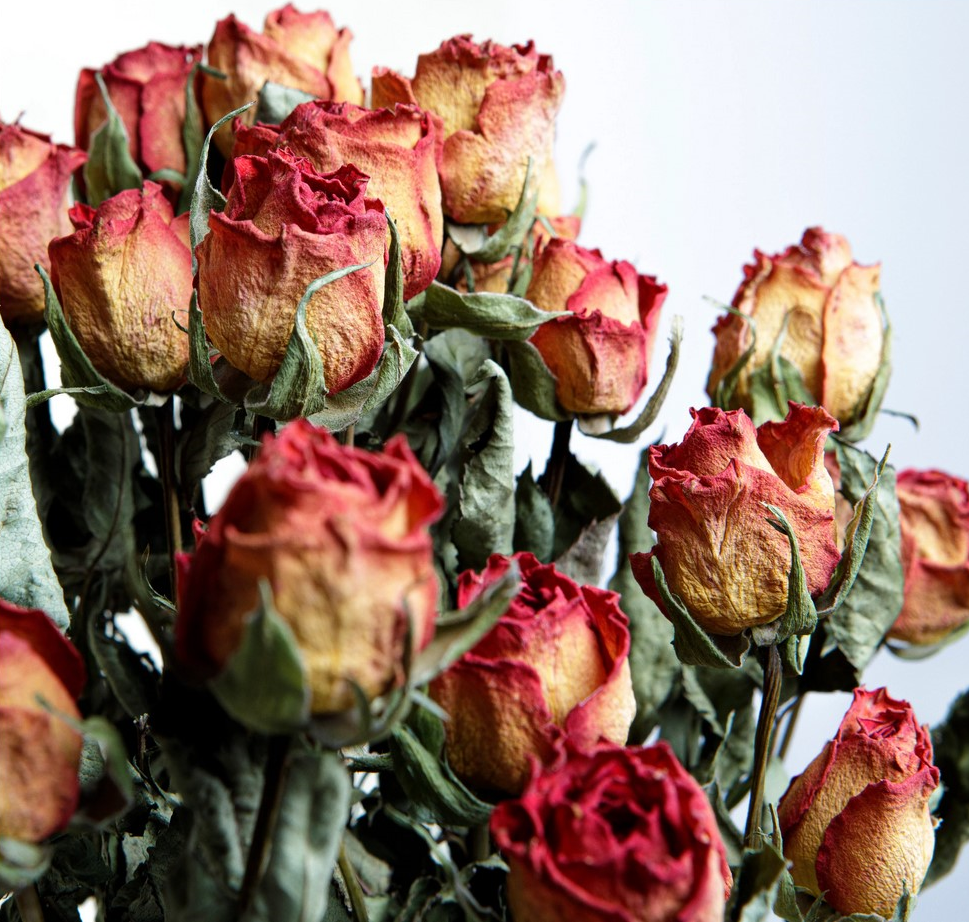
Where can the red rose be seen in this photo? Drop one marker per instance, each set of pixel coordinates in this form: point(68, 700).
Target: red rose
point(300, 50)
point(120, 277)
point(935, 555)
point(719, 553)
point(148, 88)
point(613, 835)
point(835, 330)
point(555, 664)
point(856, 824)
point(285, 225)
point(341, 535)
point(599, 356)
point(399, 149)
point(35, 177)
point(39, 751)
point(499, 106)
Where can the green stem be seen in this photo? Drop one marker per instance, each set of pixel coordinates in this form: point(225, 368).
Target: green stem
point(554, 476)
point(165, 418)
point(480, 842)
point(357, 902)
point(262, 833)
point(789, 729)
point(773, 673)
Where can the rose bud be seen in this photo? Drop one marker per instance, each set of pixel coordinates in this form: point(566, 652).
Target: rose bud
point(41, 677)
point(398, 148)
point(599, 355)
point(285, 225)
point(934, 522)
point(148, 88)
point(718, 551)
point(304, 51)
point(341, 535)
point(499, 106)
point(623, 835)
point(856, 824)
point(35, 178)
point(835, 330)
point(556, 664)
point(120, 277)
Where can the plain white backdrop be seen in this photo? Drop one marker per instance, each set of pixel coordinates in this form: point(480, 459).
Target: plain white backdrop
point(719, 126)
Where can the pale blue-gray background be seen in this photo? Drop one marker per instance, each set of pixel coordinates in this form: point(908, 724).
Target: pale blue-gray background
point(719, 126)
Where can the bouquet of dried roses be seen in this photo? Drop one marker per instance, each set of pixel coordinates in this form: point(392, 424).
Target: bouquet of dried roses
point(385, 680)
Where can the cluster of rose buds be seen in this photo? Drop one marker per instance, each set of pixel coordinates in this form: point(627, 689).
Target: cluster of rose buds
point(334, 221)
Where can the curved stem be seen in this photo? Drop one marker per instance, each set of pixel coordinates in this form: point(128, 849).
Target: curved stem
point(165, 417)
point(789, 729)
point(773, 673)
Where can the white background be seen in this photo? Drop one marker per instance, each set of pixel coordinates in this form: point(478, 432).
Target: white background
point(719, 126)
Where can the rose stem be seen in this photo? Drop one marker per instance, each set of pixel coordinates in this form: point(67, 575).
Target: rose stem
point(773, 673)
point(357, 902)
point(554, 476)
point(166, 463)
point(789, 729)
point(28, 902)
point(348, 434)
point(407, 385)
point(262, 833)
point(40, 429)
point(480, 841)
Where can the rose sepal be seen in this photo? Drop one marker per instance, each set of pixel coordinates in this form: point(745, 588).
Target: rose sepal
point(110, 168)
point(264, 686)
point(474, 241)
point(493, 316)
point(693, 645)
point(78, 374)
point(533, 383)
point(22, 863)
point(276, 101)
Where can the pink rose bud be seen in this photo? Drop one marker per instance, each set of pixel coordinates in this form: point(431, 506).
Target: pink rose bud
point(304, 51)
point(285, 225)
point(399, 149)
point(835, 330)
point(718, 551)
point(341, 535)
point(856, 823)
point(39, 750)
point(124, 280)
point(148, 88)
point(556, 663)
point(600, 355)
point(35, 179)
point(624, 835)
point(935, 555)
point(499, 106)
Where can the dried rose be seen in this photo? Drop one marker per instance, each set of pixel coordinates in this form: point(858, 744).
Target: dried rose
point(341, 535)
point(300, 50)
point(856, 823)
point(124, 280)
point(935, 555)
point(35, 177)
point(148, 88)
point(718, 551)
point(835, 330)
point(613, 835)
point(285, 225)
point(499, 106)
point(399, 149)
point(600, 354)
point(41, 677)
point(556, 663)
